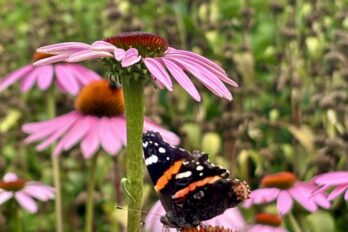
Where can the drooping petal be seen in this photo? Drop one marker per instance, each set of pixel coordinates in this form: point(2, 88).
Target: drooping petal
point(10, 176)
point(346, 196)
point(322, 201)
point(181, 77)
point(66, 47)
point(303, 197)
point(45, 77)
point(42, 193)
point(158, 71)
point(101, 45)
point(67, 79)
point(5, 196)
point(337, 191)
point(118, 125)
point(167, 135)
point(109, 140)
point(15, 76)
point(26, 202)
point(51, 60)
point(84, 75)
point(261, 196)
point(131, 57)
point(29, 80)
point(284, 202)
point(90, 143)
point(332, 178)
point(87, 55)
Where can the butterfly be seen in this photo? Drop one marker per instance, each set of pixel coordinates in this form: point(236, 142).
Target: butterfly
point(191, 188)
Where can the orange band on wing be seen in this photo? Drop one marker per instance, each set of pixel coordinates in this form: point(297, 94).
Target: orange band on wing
point(164, 179)
point(208, 180)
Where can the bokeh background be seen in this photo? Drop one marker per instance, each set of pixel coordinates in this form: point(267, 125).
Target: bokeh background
point(290, 112)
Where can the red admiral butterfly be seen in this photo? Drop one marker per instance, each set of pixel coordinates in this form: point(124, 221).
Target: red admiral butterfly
point(190, 187)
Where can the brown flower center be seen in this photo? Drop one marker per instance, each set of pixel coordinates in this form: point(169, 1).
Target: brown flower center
point(148, 44)
point(282, 180)
point(100, 98)
point(39, 56)
point(268, 219)
point(12, 186)
point(208, 228)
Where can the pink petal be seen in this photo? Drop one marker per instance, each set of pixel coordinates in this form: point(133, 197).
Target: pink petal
point(45, 77)
point(131, 57)
point(77, 131)
point(119, 54)
point(39, 192)
point(322, 201)
point(103, 46)
point(90, 143)
point(303, 198)
point(167, 135)
point(5, 196)
point(84, 75)
point(337, 191)
point(67, 79)
point(15, 76)
point(87, 55)
point(66, 47)
point(262, 195)
point(29, 80)
point(26, 202)
point(332, 178)
point(346, 196)
point(182, 78)
point(51, 60)
point(158, 71)
point(109, 140)
point(10, 176)
point(152, 220)
point(118, 126)
point(284, 202)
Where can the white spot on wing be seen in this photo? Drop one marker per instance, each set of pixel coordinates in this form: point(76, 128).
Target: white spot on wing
point(201, 174)
point(161, 150)
point(151, 160)
point(145, 144)
point(199, 168)
point(183, 175)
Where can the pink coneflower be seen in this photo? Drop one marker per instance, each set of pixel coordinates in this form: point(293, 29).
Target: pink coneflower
point(24, 191)
point(338, 179)
point(284, 187)
point(68, 77)
point(150, 56)
point(98, 120)
point(231, 219)
point(265, 222)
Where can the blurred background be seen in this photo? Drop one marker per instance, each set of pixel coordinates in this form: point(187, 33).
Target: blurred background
point(289, 113)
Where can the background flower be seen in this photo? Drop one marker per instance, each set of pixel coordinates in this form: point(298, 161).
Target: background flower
point(338, 179)
point(265, 222)
point(24, 191)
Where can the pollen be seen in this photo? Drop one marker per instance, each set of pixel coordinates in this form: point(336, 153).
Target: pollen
point(12, 186)
point(148, 44)
point(268, 219)
point(39, 56)
point(101, 99)
point(208, 228)
point(282, 180)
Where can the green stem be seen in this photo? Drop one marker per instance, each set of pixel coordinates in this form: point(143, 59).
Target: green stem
point(51, 112)
point(295, 226)
point(90, 194)
point(134, 102)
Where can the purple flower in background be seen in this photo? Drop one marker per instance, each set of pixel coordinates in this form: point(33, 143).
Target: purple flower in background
point(98, 120)
point(231, 219)
point(338, 179)
point(285, 188)
point(148, 54)
point(68, 77)
point(265, 222)
point(24, 191)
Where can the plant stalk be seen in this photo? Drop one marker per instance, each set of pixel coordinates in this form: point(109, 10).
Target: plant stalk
point(90, 194)
point(133, 91)
point(51, 112)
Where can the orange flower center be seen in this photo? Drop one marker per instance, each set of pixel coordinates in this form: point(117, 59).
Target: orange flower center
point(208, 228)
point(39, 56)
point(100, 98)
point(12, 186)
point(268, 219)
point(282, 180)
point(148, 44)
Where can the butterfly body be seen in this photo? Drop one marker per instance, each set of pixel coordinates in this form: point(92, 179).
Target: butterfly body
point(191, 188)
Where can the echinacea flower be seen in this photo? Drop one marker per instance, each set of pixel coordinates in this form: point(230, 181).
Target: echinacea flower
point(68, 77)
point(230, 219)
point(98, 120)
point(149, 56)
point(338, 179)
point(284, 187)
point(265, 222)
point(24, 191)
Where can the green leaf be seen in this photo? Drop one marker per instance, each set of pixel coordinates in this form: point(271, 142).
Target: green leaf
point(321, 222)
point(211, 143)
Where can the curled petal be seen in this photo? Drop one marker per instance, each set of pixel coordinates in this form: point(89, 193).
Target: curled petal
point(119, 54)
point(87, 55)
point(131, 57)
point(103, 46)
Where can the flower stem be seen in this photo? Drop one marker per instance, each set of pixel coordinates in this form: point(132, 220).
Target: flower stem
point(90, 194)
point(134, 101)
point(295, 226)
point(51, 112)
